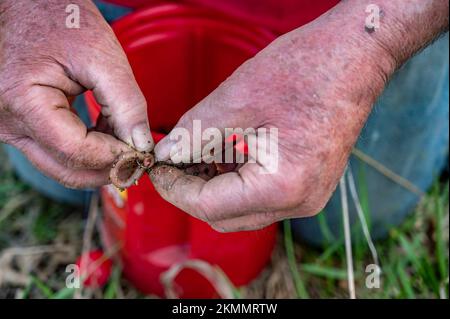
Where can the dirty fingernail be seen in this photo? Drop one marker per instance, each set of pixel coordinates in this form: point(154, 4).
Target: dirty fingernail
point(164, 148)
point(142, 138)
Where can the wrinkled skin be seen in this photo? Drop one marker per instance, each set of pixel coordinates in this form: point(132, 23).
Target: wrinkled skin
point(317, 86)
point(42, 63)
point(318, 121)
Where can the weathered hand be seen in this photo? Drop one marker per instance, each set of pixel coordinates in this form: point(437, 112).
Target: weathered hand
point(42, 64)
point(317, 87)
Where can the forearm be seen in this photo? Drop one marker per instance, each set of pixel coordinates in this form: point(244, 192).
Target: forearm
point(350, 61)
point(408, 26)
point(363, 56)
point(330, 71)
point(317, 85)
point(404, 26)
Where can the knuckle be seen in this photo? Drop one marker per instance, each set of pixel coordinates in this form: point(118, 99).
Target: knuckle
point(205, 213)
point(19, 142)
point(135, 110)
point(69, 155)
point(8, 105)
point(74, 162)
point(69, 180)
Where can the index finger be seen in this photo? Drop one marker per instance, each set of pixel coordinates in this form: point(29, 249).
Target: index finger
point(52, 125)
point(230, 195)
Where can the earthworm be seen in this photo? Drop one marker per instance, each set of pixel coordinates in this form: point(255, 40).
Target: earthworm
point(129, 167)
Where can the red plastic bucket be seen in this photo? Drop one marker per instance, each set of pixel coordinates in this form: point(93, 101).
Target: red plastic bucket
point(179, 54)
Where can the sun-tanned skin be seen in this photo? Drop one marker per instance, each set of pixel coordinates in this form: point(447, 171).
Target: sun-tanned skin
point(42, 63)
point(316, 84)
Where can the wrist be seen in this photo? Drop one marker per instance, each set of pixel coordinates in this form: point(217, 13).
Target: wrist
point(358, 59)
point(356, 55)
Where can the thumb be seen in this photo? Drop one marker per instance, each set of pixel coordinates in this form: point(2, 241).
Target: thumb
point(230, 195)
point(122, 103)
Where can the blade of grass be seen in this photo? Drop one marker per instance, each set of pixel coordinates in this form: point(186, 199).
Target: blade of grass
point(65, 293)
point(111, 289)
point(27, 290)
point(363, 201)
point(330, 251)
point(440, 241)
point(400, 180)
point(363, 194)
point(405, 281)
point(322, 271)
point(359, 247)
point(391, 280)
point(289, 245)
point(364, 225)
point(46, 291)
point(324, 229)
point(237, 293)
point(422, 267)
point(328, 261)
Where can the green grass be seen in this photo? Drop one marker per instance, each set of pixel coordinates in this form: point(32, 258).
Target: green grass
point(414, 258)
point(290, 251)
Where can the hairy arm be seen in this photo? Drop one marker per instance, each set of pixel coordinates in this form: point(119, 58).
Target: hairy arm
point(317, 85)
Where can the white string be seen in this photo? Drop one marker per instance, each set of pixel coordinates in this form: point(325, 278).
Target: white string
point(348, 238)
point(362, 218)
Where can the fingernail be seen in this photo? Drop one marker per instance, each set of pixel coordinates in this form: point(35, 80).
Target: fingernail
point(163, 149)
point(142, 138)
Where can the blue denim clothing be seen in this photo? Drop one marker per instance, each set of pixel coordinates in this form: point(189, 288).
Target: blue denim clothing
point(45, 185)
point(407, 132)
point(111, 12)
